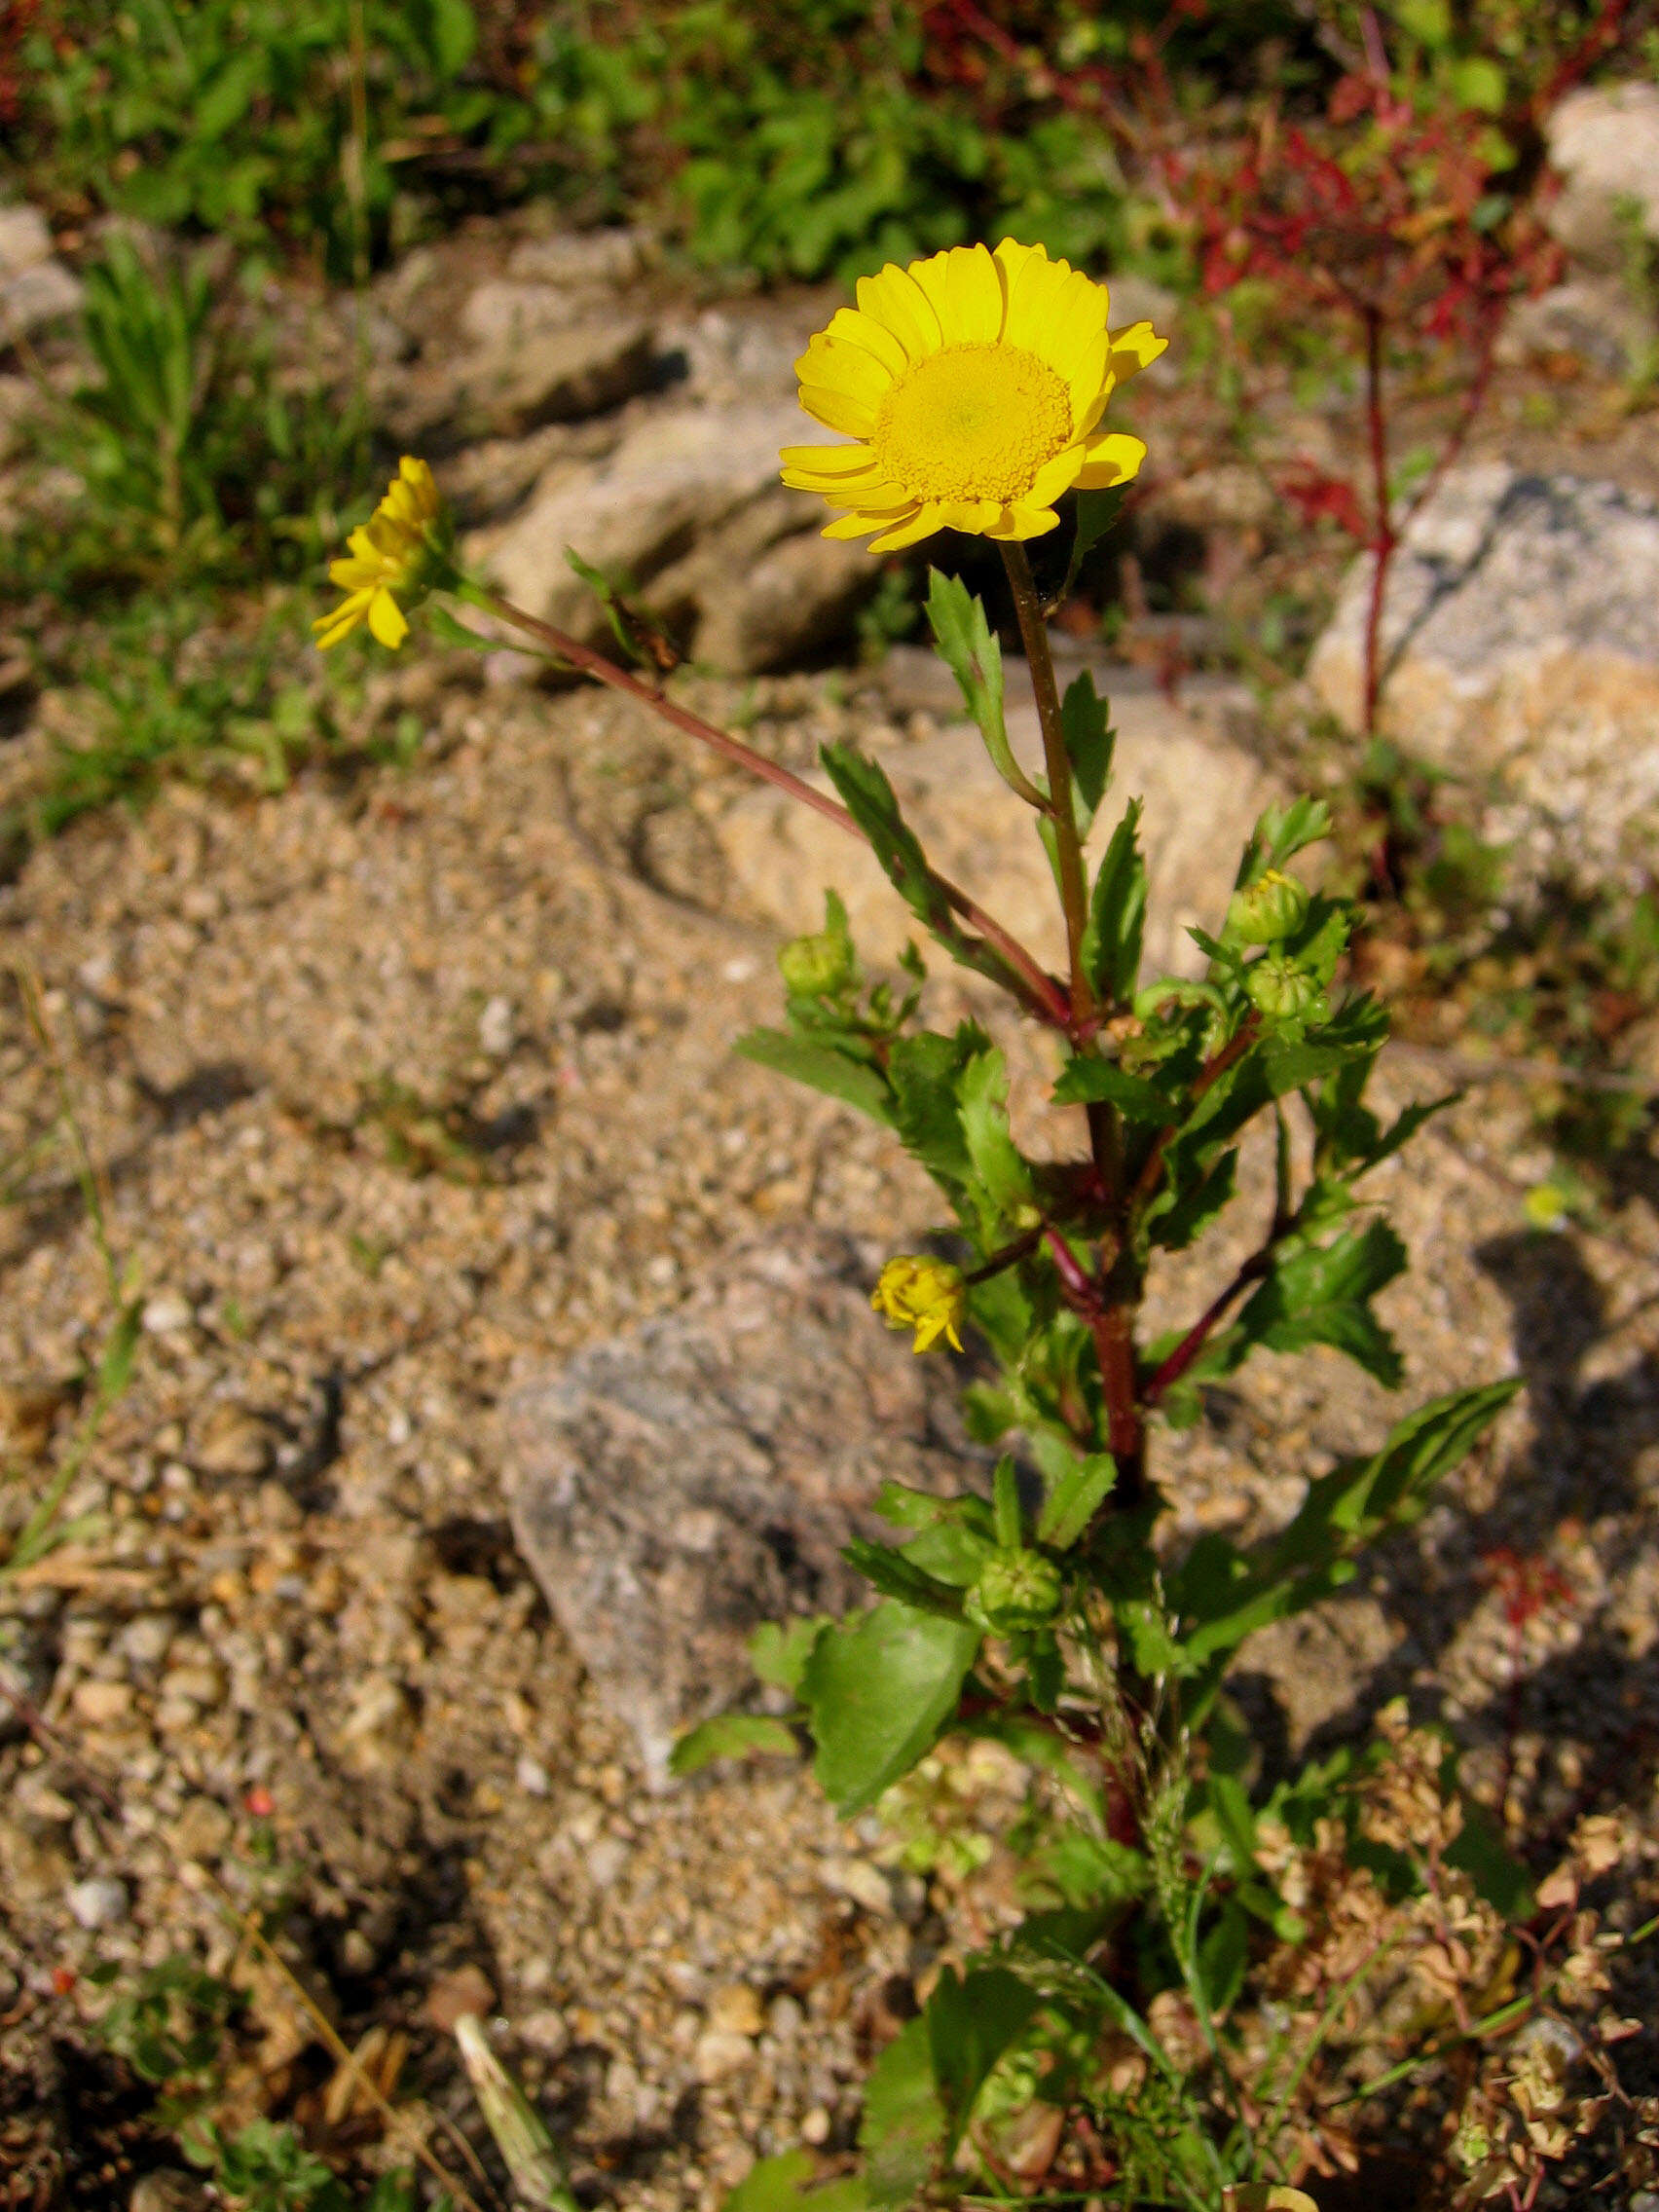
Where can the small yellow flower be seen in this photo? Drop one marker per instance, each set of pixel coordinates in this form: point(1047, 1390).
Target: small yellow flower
point(975, 383)
point(398, 556)
point(926, 1295)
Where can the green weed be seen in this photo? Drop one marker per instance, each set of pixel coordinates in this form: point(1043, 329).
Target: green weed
point(197, 459)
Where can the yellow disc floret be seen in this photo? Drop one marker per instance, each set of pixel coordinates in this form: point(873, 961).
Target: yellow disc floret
point(400, 554)
point(972, 422)
point(973, 384)
point(926, 1295)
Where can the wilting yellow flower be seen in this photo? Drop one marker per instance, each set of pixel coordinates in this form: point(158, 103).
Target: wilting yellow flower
point(397, 556)
point(926, 1295)
point(975, 383)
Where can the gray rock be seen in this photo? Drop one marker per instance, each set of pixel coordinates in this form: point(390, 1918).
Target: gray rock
point(1604, 142)
point(1593, 318)
point(760, 591)
point(504, 391)
point(502, 313)
point(575, 258)
point(1521, 640)
point(669, 483)
point(25, 242)
point(675, 1487)
point(98, 1902)
point(1202, 791)
point(35, 297)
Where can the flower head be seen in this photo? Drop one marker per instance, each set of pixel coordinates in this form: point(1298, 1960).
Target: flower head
point(926, 1295)
point(401, 553)
point(973, 383)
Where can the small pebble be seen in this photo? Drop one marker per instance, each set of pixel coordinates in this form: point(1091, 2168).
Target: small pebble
point(100, 1902)
point(167, 1313)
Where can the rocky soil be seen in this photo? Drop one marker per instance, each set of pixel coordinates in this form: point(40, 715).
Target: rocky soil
point(411, 1095)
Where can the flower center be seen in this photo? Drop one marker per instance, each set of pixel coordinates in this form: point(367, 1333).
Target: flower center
point(972, 422)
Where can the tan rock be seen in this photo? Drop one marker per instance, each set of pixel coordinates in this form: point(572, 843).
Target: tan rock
point(1521, 645)
point(672, 480)
point(1201, 794)
point(549, 375)
point(1603, 141)
point(761, 590)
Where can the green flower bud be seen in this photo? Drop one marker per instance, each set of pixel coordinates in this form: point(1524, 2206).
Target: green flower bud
point(1016, 1589)
point(1272, 907)
point(1284, 992)
point(816, 967)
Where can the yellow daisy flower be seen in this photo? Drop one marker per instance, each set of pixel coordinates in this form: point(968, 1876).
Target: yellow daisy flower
point(401, 553)
point(973, 383)
point(926, 1295)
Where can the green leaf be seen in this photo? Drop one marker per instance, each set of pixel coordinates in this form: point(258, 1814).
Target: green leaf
point(1096, 513)
point(447, 630)
point(897, 1575)
point(969, 650)
point(1001, 1174)
point(450, 34)
point(1084, 718)
point(870, 800)
point(1479, 1850)
point(903, 2119)
point(1177, 1218)
point(924, 1073)
point(971, 2021)
point(772, 2185)
point(823, 1067)
point(1320, 1295)
point(1084, 1079)
point(779, 2185)
point(1116, 914)
point(1077, 1486)
point(1291, 1066)
point(1223, 1956)
point(1005, 1505)
point(1281, 832)
point(778, 1650)
point(730, 1736)
point(878, 1690)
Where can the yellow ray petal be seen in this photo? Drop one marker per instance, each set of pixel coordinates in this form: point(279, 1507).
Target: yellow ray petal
point(1135, 348)
point(1096, 407)
point(1112, 458)
point(1079, 316)
point(1054, 477)
point(922, 524)
point(855, 329)
point(1010, 258)
point(968, 514)
point(1088, 379)
point(827, 461)
point(1025, 521)
point(833, 367)
point(966, 294)
point(1034, 297)
point(839, 410)
point(385, 619)
point(852, 526)
point(892, 298)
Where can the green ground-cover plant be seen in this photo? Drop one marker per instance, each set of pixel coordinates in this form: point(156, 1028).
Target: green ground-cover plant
point(198, 458)
point(794, 140)
point(1123, 2039)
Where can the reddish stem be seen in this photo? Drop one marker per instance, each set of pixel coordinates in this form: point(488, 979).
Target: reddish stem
point(1036, 989)
point(1213, 1069)
point(1172, 1370)
point(1384, 539)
